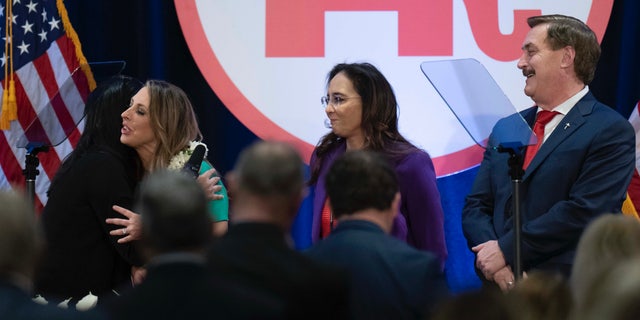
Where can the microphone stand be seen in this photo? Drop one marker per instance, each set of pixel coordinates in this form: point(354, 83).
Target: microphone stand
point(31, 169)
point(515, 161)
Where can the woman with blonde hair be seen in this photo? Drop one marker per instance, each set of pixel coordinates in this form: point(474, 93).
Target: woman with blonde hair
point(161, 126)
point(608, 241)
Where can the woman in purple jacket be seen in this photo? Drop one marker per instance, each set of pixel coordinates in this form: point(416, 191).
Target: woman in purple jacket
point(362, 112)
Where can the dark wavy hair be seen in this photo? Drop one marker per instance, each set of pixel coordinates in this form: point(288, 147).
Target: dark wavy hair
point(103, 121)
point(379, 115)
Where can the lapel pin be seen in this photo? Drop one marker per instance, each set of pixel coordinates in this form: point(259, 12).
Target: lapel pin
point(566, 125)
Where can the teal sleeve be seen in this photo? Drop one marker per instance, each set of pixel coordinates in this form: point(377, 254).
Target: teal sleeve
point(218, 209)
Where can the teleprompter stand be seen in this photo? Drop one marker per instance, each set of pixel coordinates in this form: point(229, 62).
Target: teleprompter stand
point(515, 151)
point(31, 171)
point(478, 103)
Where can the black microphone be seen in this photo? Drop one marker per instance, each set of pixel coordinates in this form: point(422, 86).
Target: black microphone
point(192, 166)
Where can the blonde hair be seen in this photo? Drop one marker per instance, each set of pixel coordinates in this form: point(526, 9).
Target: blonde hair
point(173, 121)
point(546, 295)
point(607, 241)
point(613, 294)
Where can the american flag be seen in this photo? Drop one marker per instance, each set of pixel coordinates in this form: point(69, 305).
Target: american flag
point(52, 81)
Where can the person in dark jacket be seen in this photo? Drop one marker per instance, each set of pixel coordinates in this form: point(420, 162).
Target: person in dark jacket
point(389, 278)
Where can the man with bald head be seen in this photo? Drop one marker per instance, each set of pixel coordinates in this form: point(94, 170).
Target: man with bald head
point(267, 187)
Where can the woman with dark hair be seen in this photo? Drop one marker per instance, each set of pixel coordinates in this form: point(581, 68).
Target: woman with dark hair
point(362, 111)
point(81, 256)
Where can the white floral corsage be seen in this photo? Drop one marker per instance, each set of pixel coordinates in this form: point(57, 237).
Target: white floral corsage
point(178, 161)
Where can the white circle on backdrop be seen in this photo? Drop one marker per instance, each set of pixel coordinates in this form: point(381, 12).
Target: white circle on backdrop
point(278, 97)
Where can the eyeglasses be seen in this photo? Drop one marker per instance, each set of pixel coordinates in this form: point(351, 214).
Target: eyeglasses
point(335, 101)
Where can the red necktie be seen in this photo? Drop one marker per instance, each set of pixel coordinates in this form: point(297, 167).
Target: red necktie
point(542, 119)
point(326, 220)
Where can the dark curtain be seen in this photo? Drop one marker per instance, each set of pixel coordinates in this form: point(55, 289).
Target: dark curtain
point(617, 80)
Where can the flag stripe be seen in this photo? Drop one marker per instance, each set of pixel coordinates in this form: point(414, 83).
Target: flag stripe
point(73, 90)
point(51, 90)
point(48, 161)
point(11, 169)
point(42, 66)
point(27, 113)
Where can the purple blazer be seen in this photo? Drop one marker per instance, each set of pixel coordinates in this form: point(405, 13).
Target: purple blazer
point(421, 219)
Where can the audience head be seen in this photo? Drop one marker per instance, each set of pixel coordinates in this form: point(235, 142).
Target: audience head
point(270, 175)
point(614, 294)
point(361, 180)
point(21, 239)
point(545, 295)
point(564, 31)
point(159, 123)
point(173, 208)
point(607, 240)
point(486, 304)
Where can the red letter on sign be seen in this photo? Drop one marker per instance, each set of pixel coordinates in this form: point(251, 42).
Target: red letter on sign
point(483, 18)
point(295, 28)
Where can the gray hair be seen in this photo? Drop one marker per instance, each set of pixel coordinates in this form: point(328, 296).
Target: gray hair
point(270, 169)
point(174, 213)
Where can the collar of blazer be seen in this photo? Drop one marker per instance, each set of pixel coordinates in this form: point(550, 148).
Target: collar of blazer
point(566, 128)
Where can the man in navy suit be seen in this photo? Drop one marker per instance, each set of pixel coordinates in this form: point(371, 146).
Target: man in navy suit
point(389, 278)
point(581, 170)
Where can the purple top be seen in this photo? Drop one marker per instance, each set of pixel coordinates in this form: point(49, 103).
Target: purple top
point(421, 219)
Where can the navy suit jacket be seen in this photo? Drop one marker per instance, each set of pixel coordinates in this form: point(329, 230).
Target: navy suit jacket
point(582, 170)
point(389, 278)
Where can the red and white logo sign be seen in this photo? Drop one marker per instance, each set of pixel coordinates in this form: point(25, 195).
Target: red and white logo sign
point(268, 60)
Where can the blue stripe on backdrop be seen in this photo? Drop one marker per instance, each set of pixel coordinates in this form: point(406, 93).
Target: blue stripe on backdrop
point(459, 266)
point(301, 228)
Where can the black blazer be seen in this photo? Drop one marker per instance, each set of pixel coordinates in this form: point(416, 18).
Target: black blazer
point(257, 257)
point(81, 256)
